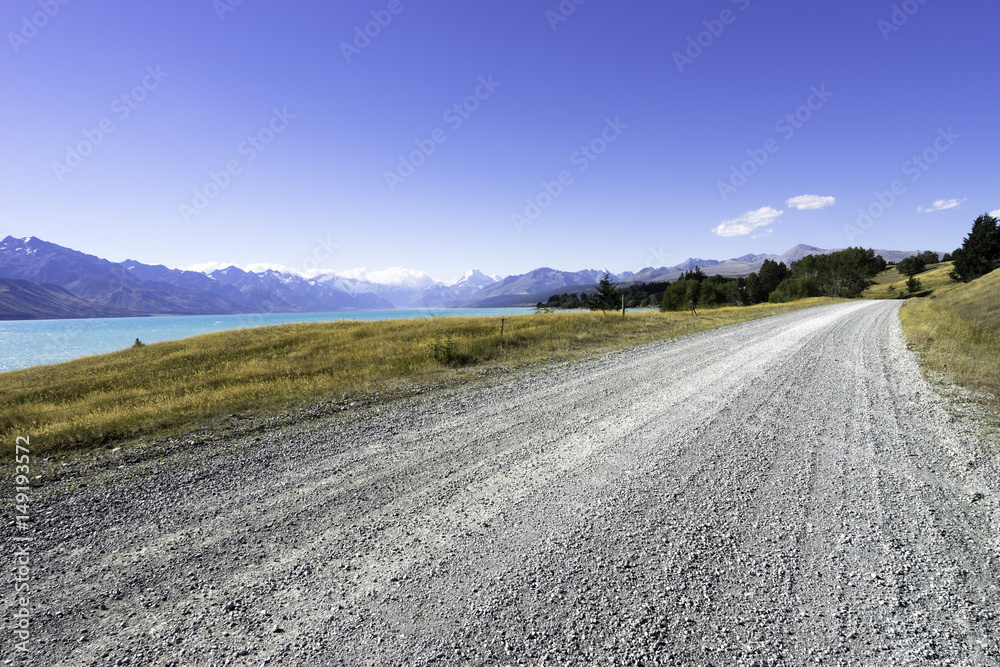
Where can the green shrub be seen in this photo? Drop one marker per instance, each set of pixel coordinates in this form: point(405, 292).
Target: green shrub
point(792, 289)
point(444, 352)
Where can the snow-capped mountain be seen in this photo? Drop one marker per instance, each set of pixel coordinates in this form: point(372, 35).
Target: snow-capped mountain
point(134, 288)
point(406, 288)
point(475, 279)
point(445, 295)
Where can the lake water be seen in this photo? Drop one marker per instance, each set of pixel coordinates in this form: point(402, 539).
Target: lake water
point(26, 343)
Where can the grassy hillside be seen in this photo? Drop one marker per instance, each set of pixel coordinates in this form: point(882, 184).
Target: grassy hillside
point(172, 386)
point(958, 331)
point(934, 277)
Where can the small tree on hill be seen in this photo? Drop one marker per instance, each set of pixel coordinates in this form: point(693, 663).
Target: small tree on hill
point(910, 266)
point(606, 297)
point(913, 285)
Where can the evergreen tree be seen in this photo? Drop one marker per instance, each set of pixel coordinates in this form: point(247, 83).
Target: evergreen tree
point(980, 252)
point(606, 297)
point(697, 274)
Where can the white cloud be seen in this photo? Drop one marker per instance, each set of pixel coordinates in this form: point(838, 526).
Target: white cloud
point(941, 205)
point(748, 222)
point(810, 202)
point(996, 213)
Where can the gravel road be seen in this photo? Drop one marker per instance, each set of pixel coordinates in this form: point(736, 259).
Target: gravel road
point(784, 491)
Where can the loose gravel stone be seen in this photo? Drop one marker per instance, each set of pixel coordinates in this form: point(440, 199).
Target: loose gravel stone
point(784, 491)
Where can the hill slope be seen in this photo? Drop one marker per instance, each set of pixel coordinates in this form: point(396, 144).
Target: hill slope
point(978, 301)
point(25, 300)
point(957, 331)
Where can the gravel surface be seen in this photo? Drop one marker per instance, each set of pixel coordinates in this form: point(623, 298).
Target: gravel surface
point(784, 491)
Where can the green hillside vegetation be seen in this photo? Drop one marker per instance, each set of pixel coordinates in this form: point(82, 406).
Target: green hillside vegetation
point(957, 328)
point(637, 295)
point(958, 332)
point(179, 386)
point(844, 274)
point(889, 283)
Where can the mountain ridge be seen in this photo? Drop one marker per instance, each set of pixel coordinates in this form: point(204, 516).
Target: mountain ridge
point(135, 288)
point(26, 300)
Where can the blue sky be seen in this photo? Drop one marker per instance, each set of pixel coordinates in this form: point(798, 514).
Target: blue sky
point(501, 134)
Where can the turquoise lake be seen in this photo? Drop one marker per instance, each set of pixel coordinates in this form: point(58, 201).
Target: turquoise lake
point(26, 343)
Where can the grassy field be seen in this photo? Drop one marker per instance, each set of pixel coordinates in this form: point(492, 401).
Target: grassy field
point(889, 283)
point(172, 387)
point(958, 331)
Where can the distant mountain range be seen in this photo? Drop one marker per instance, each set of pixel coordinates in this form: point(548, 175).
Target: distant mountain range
point(39, 279)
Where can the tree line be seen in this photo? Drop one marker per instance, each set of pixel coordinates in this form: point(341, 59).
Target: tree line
point(846, 273)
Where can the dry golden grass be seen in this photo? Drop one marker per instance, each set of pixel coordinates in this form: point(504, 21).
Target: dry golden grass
point(167, 388)
point(958, 331)
point(934, 277)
